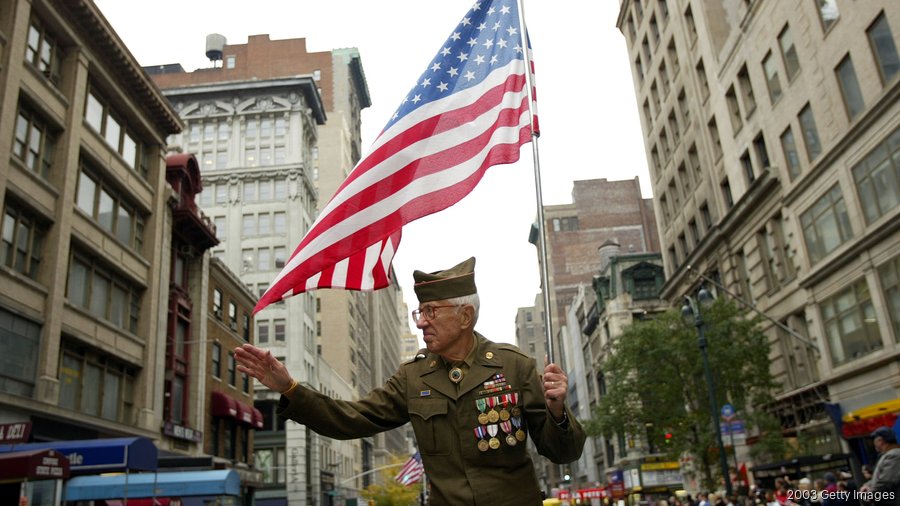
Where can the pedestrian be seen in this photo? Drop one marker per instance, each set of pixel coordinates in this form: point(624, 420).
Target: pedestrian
point(472, 402)
point(884, 486)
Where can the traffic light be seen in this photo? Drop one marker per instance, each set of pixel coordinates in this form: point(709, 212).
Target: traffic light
point(668, 437)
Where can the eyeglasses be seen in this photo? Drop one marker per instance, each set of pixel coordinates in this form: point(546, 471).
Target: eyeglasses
point(428, 312)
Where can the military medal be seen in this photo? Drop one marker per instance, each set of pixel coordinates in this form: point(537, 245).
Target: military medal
point(481, 404)
point(517, 423)
point(456, 375)
point(504, 414)
point(493, 416)
point(479, 435)
point(507, 428)
point(514, 400)
point(494, 442)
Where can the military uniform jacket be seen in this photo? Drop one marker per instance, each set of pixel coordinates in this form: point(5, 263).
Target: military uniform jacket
point(445, 417)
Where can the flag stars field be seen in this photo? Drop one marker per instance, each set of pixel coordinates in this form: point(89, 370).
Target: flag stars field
point(432, 152)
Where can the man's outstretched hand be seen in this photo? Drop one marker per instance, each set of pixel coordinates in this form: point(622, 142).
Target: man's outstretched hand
point(263, 366)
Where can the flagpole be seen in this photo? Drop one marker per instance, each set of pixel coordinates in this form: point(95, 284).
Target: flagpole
point(545, 273)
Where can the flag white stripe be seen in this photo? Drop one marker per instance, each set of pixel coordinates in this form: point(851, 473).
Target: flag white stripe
point(416, 188)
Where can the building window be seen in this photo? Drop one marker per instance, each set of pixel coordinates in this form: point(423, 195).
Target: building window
point(826, 224)
point(34, 143)
point(232, 316)
point(262, 332)
point(851, 325)
point(747, 165)
point(882, 41)
point(828, 13)
point(725, 185)
point(265, 224)
point(230, 61)
point(746, 90)
point(789, 53)
point(734, 110)
point(101, 292)
point(280, 333)
point(695, 231)
point(704, 82)
point(673, 57)
point(43, 52)
point(96, 384)
point(217, 303)
point(762, 154)
point(770, 68)
point(706, 216)
point(232, 372)
point(810, 133)
point(246, 328)
point(20, 341)
point(789, 147)
point(775, 254)
point(714, 137)
point(654, 29)
point(692, 27)
point(109, 210)
point(248, 225)
point(877, 178)
point(217, 360)
point(846, 76)
point(23, 240)
point(100, 116)
point(889, 273)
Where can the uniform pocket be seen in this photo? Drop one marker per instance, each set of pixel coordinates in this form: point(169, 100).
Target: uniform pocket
point(431, 424)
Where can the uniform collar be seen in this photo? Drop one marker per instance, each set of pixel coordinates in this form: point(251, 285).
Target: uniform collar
point(483, 362)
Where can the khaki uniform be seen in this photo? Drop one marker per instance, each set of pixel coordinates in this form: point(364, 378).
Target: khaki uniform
point(445, 417)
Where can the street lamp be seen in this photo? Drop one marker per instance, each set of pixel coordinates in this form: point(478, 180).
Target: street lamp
point(691, 312)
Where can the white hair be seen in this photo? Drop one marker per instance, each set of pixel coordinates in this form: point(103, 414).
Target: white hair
point(468, 300)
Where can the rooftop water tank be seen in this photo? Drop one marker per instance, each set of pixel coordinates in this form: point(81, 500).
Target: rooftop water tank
point(215, 45)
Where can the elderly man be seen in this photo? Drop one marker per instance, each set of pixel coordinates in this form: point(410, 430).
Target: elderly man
point(473, 403)
point(884, 487)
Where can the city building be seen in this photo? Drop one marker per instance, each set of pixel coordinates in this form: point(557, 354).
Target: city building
point(277, 129)
point(771, 133)
point(86, 240)
point(601, 210)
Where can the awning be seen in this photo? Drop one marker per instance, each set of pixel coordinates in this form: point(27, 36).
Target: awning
point(861, 422)
point(245, 413)
point(159, 501)
point(44, 464)
point(223, 405)
point(99, 455)
point(176, 484)
point(258, 419)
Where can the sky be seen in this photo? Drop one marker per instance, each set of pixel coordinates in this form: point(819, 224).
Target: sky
point(590, 127)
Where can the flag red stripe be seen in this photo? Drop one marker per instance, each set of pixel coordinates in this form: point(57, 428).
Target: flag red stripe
point(419, 206)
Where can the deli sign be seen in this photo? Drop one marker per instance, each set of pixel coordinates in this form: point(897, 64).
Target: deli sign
point(14, 432)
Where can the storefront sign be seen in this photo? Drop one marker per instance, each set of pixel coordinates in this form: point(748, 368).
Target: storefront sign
point(14, 432)
point(180, 432)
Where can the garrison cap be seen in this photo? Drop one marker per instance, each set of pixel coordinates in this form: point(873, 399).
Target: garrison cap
point(454, 282)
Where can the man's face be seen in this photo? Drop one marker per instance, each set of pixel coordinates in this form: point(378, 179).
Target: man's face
point(442, 332)
point(879, 444)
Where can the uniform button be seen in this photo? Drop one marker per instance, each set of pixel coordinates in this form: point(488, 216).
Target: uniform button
point(433, 362)
point(489, 355)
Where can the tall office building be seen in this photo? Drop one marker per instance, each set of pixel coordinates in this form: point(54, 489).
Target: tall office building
point(771, 131)
point(86, 230)
point(277, 129)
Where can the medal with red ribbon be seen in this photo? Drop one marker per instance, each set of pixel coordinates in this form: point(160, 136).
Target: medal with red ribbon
point(480, 434)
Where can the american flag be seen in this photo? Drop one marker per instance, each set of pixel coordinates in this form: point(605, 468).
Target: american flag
point(412, 471)
point(467, 111)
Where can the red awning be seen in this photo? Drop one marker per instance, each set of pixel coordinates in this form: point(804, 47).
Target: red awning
point(245, 413)
point(258, 422)
point(46, 464)
point(223, 405)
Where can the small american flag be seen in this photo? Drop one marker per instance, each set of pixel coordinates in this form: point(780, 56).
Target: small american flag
point(412, 471)
point(468, 111)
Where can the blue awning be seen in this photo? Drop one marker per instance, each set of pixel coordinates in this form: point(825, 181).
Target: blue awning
point(100, 455)
point(174, 484)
